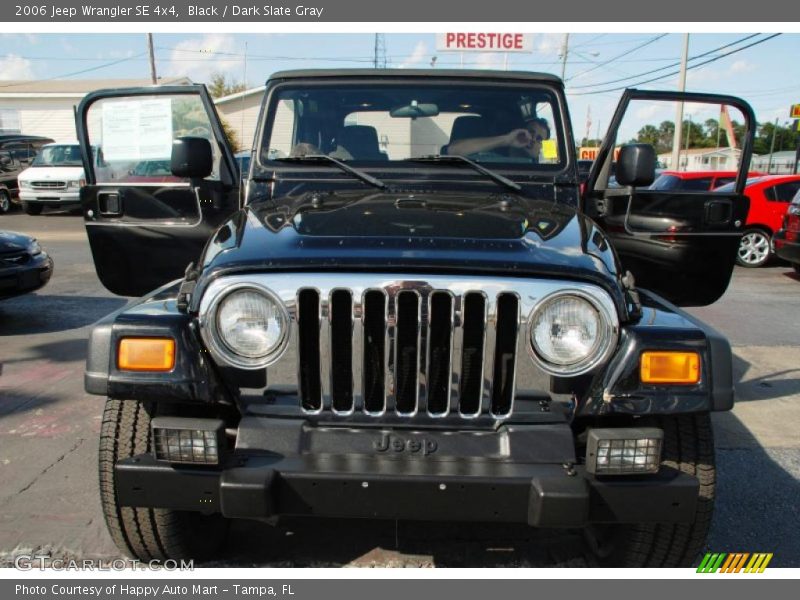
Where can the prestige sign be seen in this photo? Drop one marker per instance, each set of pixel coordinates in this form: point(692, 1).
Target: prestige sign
point(484, 41)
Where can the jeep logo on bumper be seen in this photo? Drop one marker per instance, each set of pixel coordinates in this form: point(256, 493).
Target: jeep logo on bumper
point(394, 443)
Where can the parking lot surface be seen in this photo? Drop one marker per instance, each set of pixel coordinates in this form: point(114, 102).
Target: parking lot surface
point(49, 430)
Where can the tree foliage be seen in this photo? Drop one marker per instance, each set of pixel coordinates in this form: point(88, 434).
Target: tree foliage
point(220, 86)
point(709, 134)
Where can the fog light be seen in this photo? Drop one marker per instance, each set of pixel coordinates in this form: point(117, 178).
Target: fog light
point(670, 367)
point(628, 451)
point(146, 354)
point(188, 441)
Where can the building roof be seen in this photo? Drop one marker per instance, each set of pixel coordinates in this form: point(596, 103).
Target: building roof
point(74, 88)
point(702, 151)
point(239, 95)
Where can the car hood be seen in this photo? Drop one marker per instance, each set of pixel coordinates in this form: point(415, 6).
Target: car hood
point(54, 173)
point(466, 233)
point(11, 241)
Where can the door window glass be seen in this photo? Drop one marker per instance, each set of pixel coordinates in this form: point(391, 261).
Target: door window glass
point(134, 136)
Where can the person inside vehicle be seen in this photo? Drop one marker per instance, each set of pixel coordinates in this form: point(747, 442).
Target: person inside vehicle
point(525, 141)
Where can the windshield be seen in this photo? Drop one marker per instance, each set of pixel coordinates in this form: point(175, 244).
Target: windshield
point(58, 156)
point(381, 125)
point(731, 187)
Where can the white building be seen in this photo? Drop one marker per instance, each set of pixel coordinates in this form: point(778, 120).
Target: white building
point(704, 159)
point(46, 107)
point(781, 163)
point(240, 111)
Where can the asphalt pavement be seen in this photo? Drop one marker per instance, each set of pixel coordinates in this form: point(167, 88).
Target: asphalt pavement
point(49, 430)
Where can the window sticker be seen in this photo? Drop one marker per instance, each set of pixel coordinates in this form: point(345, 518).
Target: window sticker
point(135, 130)
point(549, 150)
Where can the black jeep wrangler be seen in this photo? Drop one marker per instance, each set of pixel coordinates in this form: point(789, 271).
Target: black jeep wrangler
point(409, 308)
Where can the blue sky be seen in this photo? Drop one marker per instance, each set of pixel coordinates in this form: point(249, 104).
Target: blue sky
point(766, 75)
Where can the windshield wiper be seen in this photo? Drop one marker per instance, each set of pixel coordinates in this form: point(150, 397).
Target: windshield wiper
point(455, 158)
point(366, 177)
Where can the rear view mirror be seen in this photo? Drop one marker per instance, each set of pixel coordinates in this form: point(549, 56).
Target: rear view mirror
point(192, 158)
point(414, 110)
point(636, 165)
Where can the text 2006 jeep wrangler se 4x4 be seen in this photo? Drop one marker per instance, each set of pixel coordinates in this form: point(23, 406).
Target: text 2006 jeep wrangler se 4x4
point(409, 308)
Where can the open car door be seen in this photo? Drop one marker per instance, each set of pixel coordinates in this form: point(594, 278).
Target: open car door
point(678, 242)
point(146, 221)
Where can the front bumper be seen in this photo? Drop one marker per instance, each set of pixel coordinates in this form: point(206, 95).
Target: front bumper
point(26, 278)
point(50, 197)
point(517, 474)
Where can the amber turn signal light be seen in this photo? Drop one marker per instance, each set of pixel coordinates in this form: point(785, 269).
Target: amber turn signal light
point(670, 367)
point(146, 354)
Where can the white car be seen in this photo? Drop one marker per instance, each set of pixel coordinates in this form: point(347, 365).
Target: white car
point(54, 178)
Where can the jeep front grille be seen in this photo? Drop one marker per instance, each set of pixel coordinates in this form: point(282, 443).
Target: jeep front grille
point(384, 347)
point(407, 351)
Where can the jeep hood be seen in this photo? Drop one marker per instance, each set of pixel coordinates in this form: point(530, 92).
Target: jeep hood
point(466, 233)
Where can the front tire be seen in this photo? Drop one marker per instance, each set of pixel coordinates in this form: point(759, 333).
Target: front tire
point(32, 209)
point(148, 533)
point(688, 447)
point(754, 249)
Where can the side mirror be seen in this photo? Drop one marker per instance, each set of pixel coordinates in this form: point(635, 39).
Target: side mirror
point(191, 158)
point(636, 165)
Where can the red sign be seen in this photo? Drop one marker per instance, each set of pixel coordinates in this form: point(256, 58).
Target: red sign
point(484, 42)
point(795, 111)
point(590, 153)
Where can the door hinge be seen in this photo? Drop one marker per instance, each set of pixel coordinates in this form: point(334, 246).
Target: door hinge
point(187, 288)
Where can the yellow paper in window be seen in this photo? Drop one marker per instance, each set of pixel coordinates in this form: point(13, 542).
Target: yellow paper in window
point(549, 150)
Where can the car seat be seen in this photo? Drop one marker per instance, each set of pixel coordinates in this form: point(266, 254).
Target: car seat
point(361, 141)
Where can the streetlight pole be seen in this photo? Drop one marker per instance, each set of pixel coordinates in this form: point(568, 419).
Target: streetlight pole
point(772, 146)
point(676, 141)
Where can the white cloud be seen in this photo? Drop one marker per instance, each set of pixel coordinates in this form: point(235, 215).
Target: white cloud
point(16, 67)
point(548, 44)
point(198, 58)
point(741, 66)
point(419, 54)
point(489, 60)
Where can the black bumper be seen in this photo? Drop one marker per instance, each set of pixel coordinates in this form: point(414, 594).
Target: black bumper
point(26, 278)
point(517, 474)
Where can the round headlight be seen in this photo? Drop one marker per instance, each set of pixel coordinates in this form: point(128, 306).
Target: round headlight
point(251, 326)
point(570, 333)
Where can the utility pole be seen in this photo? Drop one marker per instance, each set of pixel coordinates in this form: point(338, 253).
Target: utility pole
point(379, 57)
point(564, 51)
point(676, 141)
point(772, 146)
point(153, 77)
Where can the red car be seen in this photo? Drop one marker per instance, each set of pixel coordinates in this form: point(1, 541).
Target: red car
point(770, 196)
point(694, 180)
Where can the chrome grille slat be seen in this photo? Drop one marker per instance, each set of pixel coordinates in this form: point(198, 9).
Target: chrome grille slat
point(325, 350)
point(489, 341)
point(389, 353)
point(456, 350)
point(357, 362)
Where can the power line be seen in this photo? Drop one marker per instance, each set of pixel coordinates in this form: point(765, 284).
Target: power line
point(626, 53)
point(81, 72)
point(706, 62)
point(674, 64)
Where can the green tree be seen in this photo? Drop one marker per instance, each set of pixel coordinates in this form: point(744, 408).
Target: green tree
point(648, 135)
point(219, 86)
